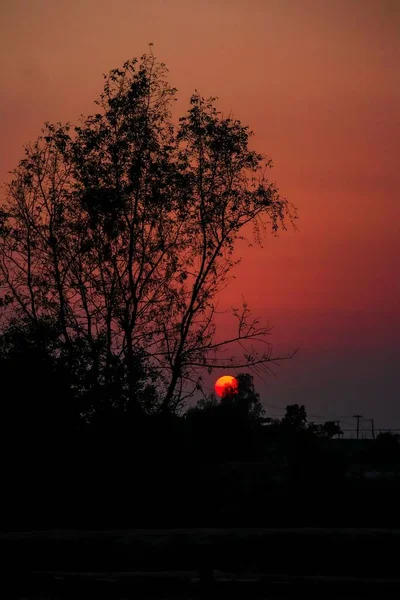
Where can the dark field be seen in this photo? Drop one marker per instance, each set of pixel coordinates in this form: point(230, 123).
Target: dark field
point(186, 563)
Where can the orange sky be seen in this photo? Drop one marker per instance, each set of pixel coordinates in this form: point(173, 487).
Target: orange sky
point(318, 82)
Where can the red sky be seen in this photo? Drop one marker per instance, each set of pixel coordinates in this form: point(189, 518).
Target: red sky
point(318, 82)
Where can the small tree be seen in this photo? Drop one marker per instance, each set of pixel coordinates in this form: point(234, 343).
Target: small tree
point(231, 428)
point(123, 230)
point(331, 429)
point(245, 400)
point(295, 418)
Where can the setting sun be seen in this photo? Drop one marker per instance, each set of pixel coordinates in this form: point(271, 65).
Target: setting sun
point(224, 382)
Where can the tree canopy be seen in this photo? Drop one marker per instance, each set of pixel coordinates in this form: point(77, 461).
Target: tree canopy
point(118, 234)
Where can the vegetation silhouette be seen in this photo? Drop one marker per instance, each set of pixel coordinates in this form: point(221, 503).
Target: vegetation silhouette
point(119, 234)
point(116, 238)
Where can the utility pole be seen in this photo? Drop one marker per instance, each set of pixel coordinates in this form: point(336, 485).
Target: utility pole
point(340, 433)
point(358, 417)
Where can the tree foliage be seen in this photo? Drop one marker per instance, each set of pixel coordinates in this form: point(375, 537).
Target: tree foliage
point(120, 233)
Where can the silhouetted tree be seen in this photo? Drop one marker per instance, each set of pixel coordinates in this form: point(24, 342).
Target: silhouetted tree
point(295, 418)
point(331, 429)
point(231, 426)
point(244, 399)
point(123, 230)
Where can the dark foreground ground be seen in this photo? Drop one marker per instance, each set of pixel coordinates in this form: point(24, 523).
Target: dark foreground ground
point(188, 563)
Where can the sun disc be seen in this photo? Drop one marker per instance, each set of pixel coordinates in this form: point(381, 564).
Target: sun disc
point(224, 382)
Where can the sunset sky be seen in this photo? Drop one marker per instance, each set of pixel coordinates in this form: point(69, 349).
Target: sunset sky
point(318, 82)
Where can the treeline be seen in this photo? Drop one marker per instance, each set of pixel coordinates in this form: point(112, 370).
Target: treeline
point(75, 455)
point(46, 395)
